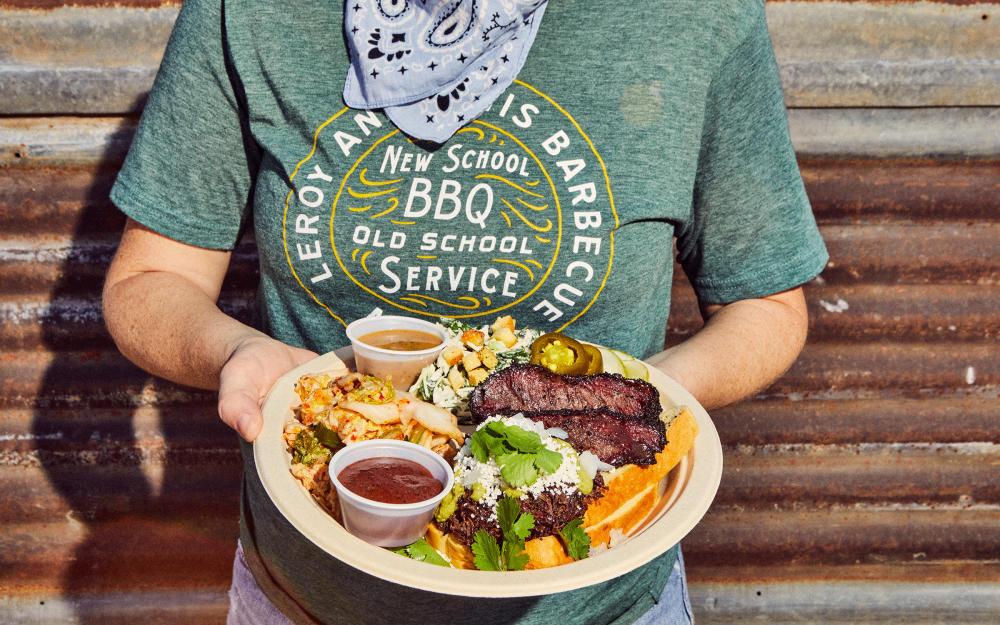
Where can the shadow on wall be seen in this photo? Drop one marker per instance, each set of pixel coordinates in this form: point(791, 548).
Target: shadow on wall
point(148, 473)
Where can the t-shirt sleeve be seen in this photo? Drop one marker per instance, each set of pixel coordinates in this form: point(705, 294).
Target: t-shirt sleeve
point(189, 172)
point(752, 232)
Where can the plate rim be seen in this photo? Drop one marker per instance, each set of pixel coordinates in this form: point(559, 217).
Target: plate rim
point(700, 482)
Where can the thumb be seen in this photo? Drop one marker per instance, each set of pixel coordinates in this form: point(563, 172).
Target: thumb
point(238, 406)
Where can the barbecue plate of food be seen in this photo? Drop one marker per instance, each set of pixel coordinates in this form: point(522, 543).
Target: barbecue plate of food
point(641, 501)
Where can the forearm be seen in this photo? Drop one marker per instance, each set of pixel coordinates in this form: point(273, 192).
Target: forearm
point(171, 328)
point(742, 348)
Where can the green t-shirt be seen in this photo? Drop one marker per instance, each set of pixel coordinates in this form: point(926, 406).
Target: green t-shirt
point(630, 127)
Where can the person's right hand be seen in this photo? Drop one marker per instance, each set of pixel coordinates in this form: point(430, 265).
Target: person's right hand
point(245, 378)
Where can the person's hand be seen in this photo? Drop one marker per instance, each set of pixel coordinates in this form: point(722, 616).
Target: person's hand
point(252, 367)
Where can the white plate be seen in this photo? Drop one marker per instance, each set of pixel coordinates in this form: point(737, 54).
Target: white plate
point(689, 490)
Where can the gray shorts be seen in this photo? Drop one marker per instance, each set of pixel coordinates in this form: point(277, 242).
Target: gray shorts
point(249, 606)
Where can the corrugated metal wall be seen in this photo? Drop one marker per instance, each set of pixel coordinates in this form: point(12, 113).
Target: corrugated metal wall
point(864, 486)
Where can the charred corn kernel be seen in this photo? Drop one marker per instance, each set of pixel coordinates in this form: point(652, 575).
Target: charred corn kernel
point(452, 354)
point(477, 375)
point(505, 336)
point(488, 358)
point(456, 379)
point(473, 338)
point(470, 360)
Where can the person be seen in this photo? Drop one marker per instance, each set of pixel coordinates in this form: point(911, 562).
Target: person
point(547, 174)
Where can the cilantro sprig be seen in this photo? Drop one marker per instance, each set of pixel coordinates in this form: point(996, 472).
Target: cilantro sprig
point(520, 453)
point(575, 539)
point(421, 550)
point(515, 527)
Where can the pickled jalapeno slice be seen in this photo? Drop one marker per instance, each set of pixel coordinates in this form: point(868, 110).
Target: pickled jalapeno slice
point(596, 364)
point(560, 354)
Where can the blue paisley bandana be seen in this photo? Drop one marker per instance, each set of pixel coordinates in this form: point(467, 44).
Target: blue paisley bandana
point(435, 65)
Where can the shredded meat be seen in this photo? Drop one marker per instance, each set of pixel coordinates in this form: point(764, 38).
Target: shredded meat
point(552, 511)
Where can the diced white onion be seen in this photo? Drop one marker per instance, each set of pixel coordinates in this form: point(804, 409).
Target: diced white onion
point(557, 432)
point(591, 464)
point(616, 537)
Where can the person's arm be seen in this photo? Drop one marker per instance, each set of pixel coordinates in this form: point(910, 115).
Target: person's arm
point(742, 348)
point(160, 308)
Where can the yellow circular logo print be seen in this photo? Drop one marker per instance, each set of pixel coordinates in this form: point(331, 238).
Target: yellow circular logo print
point(513, 212)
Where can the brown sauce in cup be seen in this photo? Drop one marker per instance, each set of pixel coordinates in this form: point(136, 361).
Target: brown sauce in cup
point(390, 480)
point(401, 340)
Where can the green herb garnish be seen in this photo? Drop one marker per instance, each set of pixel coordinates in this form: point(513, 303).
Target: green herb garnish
point(518, 469)
point(515, 527)
point(575, 539)
point(307, 449)
point(486, 552)
point(326, 436)
point(520, 453)
point(422, 551)
point(454, 326)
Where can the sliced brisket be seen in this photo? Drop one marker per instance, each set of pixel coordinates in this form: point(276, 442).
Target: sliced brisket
point(524, 388)
point(614, 439)
point(616, 418)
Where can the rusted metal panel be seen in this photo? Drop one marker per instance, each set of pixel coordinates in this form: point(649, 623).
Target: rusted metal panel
point(890, 133)
point(190, 608)
point(847, 603)
point(61, 4)
point(101, 57)
point(62, 202)
point(64, 142)
point(878, 54)
point(891, 369)
point(955, 475)
point(864, 476)
point(841, 536)
point(80, 60)
point(194, 607)
point(899, 254)
point(853, 421)
point(845, 306)
point(132, 552)
point(868, 190)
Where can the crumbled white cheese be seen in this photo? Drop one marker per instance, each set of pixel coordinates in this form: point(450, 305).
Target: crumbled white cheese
point(469, 471)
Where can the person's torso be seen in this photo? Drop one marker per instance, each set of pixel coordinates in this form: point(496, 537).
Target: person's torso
point(557, 206)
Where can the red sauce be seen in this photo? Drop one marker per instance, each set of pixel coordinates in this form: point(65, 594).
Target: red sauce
point(390, 480)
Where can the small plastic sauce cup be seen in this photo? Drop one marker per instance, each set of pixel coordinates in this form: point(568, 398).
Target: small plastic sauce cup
point(403, 366)
point(388, 524)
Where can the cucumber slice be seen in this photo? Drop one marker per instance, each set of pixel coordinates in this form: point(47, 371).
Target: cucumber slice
point(612, 363)
point(634, 368)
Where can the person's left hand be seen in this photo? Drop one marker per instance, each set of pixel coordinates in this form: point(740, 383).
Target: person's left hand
point(248, 374)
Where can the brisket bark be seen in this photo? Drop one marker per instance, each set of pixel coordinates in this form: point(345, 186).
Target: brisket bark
point(616, 418)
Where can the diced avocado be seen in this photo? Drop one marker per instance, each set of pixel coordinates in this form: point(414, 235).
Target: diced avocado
point(586, 482)
point(449, 504)
point(478, 491)
point(513, 492)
